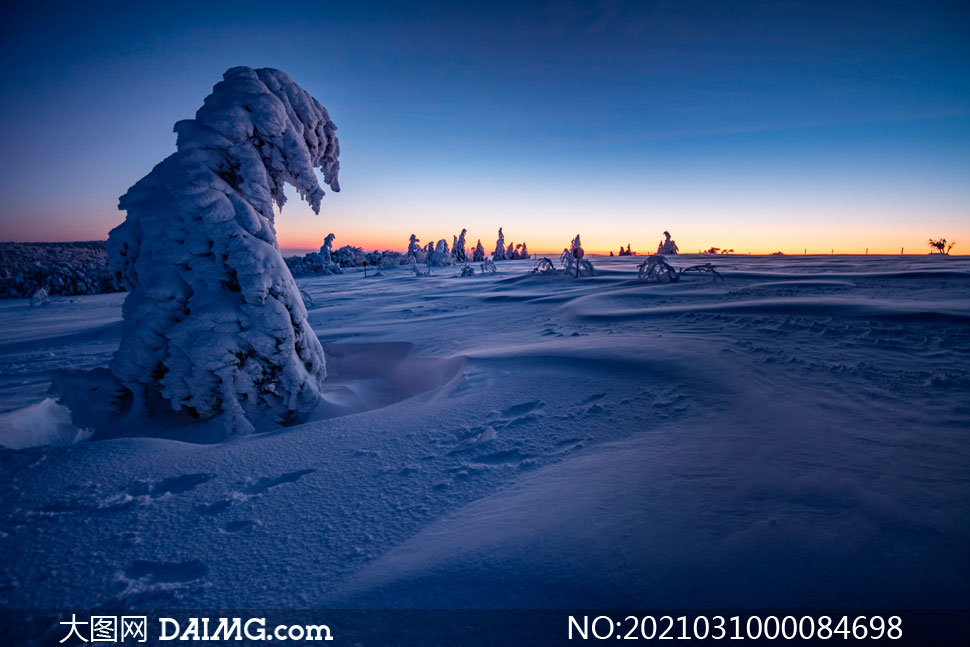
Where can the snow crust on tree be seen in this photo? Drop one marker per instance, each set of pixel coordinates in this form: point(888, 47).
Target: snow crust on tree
point(499, 253)
point(214, 323)
point(667, 246)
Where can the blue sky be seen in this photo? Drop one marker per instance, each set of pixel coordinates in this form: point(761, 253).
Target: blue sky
point(752, 125)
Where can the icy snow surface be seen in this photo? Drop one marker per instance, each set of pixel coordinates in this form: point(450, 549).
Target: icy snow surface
point(795, 435)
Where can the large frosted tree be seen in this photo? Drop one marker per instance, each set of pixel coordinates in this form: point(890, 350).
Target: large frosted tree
point(214, 323)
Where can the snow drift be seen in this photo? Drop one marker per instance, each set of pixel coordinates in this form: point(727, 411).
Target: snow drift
point(214, 323)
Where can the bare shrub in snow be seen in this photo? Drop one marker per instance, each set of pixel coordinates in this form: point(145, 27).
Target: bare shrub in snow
point(543, 266)
point(656, 268)
point(214, 323)
point(488, 267)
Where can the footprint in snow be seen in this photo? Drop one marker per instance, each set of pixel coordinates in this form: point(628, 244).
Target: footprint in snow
point(268, 482)
point(249, 490)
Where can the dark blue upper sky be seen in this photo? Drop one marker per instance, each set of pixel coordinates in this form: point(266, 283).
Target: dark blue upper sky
point(759, 124)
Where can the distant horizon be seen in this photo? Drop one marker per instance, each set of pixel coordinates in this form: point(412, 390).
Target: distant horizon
point(750, 125)
point(490, 249)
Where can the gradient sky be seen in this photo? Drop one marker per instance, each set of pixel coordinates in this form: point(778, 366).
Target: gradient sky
point(758, 126)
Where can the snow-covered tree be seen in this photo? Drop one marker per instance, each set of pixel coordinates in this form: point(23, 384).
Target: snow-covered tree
point(324, 262)
point(458, 249)
point(214, 323)
point(349, 256)
point(499, 253)
point(326, 250)
point(524, 253)
point(666, 245)
point(479, 254)
point(59, 268)
point(440, 256)
point(941, 246)
point(414, 250)
point(572, 258)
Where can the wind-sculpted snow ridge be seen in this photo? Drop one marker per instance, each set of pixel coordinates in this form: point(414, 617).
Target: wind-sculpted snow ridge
point(214, 322)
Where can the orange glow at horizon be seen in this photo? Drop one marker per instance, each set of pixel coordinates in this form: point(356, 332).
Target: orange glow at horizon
point(607, 238)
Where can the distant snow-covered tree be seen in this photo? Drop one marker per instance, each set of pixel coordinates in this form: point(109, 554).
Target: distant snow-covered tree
point(524, 253)
point(941, 246)
point(59, 268)
point(440, 256)
point(458, 249)
point(326, 250)
point(574, 263)
point(666, 245)
point(499, 253)
point(414, 250)
point(349, 256)
point(214, 323)
point(479, 254)
point(324, 262)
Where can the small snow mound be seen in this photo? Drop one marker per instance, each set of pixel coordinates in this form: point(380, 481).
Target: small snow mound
point(39, 298)
point(38, 425)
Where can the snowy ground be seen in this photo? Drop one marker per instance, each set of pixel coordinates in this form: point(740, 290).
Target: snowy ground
point(798, 435)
